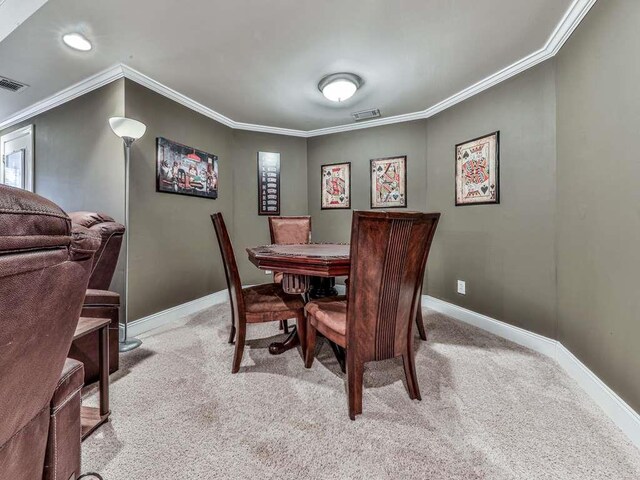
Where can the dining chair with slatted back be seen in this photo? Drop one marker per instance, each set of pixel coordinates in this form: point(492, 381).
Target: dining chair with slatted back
point(290, 230)
point(389, 253)
point(255, 304)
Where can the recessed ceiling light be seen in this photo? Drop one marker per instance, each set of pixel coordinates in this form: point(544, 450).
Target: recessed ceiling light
point(77, 41)
point(339, 87)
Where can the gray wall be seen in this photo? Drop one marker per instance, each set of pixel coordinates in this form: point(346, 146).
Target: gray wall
point(506, 252)
point(174, 253)
point(359, 147)
point(251, 229)
point(79, 162)
point(598, 85)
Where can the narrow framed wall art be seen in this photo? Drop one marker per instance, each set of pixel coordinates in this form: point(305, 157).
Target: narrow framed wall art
point(268, 183)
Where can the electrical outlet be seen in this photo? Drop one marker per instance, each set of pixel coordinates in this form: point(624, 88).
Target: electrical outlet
point(268, 272)
point(462, 287)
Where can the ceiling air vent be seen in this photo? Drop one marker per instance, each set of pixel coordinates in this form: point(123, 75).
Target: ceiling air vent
point(366, 115)
point(11, 85)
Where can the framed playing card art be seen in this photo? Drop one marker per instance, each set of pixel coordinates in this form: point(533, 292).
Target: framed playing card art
point(389, 182)
point(477, 171)
point(336, 186)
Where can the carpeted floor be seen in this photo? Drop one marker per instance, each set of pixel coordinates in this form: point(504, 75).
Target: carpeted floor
point(490, 410)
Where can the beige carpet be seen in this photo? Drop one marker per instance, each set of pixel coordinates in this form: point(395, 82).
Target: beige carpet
point(490, 410)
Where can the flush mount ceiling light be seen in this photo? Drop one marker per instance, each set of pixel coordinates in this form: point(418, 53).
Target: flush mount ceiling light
point(77, 41)
point(339, 87)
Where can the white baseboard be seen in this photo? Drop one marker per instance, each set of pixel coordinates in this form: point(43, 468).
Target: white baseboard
point(617, 409)
point(159, 319)
point(622, 414)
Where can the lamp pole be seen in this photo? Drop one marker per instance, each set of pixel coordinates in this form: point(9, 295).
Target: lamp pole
point(127, 344)
point(129, 130)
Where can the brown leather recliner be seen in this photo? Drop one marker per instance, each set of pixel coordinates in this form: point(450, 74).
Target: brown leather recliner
point(99, 301)
point(44, 271)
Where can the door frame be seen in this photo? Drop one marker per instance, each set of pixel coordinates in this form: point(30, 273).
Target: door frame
point(29, 180)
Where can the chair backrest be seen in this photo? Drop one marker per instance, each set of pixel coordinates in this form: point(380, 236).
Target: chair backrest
point(44, 270)
point(290, 230)
point(388, 258)
point(230, 266)
point(106, 258)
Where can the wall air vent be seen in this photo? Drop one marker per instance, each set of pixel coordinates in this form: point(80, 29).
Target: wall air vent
point(11, 85)
point(366, 114)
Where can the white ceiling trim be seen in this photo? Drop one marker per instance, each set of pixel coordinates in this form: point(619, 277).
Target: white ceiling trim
point(571, 19)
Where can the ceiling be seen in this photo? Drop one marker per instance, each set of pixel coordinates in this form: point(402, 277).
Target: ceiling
point(259, 62)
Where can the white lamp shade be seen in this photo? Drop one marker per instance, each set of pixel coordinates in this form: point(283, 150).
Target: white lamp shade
point(127, 127)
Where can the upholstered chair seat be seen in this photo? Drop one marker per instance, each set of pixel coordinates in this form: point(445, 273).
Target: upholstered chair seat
point(330, 313)
point(270, 297)
point(374, 321)
point(101, 297)
point(257, 304)
point(289, 231)
point(44, 271)
point(99, 301)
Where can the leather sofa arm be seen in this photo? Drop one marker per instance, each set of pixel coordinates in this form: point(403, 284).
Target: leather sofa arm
point(62, 459)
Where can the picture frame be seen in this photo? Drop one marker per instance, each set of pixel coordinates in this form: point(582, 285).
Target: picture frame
point(388, 185)
point(477, 171)
point(335, 186)
point(184, 170)
point(268, 183)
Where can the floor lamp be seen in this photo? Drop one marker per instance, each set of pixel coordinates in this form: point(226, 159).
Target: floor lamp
point(129, 130)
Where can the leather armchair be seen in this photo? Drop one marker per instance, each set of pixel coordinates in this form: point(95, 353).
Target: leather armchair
point(44, 272)
point(99, 301)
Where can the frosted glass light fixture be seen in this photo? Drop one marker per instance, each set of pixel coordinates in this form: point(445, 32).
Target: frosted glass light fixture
point(339, 87)
point(77, 41)
point(127, 127)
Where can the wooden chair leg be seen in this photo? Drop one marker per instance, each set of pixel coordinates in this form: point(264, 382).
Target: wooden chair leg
point(237, 355)
point(410, 372)
point(301, 322)
point(232, 333)
point(310, 349)
point(420, 324)
point(285, 326)
point(355, 372)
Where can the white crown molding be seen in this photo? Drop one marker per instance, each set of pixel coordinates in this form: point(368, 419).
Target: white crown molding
point(562, 32)
point(74, 91)
point(613, 406)
point(569, 22)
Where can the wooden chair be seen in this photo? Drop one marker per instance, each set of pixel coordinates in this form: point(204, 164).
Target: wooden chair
point(287, 231)
point(374, 322)
point(419, 322)
point(257, 304)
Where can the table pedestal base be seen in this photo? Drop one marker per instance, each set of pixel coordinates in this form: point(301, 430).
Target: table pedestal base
point(319, 287)
point(292, 341)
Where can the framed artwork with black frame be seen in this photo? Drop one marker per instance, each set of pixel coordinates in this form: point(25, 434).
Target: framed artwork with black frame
point(388, 187)
point(477, 174)
point(335, 186)
point(268, 183)
point(185, 170)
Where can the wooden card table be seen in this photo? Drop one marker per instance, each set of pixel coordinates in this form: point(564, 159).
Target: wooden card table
point(307, 269)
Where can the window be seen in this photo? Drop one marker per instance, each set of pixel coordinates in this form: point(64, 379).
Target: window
point(16, 152)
